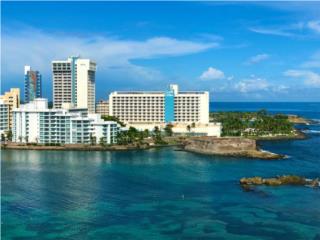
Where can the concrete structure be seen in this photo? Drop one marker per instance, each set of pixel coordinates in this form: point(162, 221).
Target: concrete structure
point(172, 106)
point(4, 117)
point(34, 122)
point(198, 129)
point(32, 84)
point(74, 82)
point(12, 100)
point(102, 107)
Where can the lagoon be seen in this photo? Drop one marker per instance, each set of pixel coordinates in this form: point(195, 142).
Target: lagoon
point(158, 194)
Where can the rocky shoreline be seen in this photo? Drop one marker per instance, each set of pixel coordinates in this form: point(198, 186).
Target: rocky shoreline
point(228, 146)
point(280, 180)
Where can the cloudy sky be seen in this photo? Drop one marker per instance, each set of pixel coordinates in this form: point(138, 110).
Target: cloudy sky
point(237, 51)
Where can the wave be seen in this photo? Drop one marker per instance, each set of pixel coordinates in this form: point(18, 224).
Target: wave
point(311, 131)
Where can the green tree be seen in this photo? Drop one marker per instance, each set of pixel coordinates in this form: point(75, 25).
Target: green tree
point(9, 135)
point(114, 119)
point(168, 130)
point(102, 141)
point(93, 139)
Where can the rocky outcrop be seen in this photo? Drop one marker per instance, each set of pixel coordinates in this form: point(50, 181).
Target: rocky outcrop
point(228, 146)
point(298, 120)
point(280, 180)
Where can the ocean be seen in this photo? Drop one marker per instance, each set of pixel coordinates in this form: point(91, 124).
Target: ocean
point(163, 193)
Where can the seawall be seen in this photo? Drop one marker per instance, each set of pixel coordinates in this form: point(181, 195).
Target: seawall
point(228, 146)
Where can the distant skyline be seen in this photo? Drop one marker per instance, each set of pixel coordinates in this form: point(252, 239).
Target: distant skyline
point(238, 51)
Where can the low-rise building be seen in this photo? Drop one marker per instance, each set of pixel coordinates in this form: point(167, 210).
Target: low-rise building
point(35, 122)
point(102, 108)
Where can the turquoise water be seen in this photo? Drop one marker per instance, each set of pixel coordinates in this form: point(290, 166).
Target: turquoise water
point(158, 194)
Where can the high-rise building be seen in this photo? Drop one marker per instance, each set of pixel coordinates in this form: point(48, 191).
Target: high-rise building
point(35, 122)
point(102, 107)
point(12, 100)
point(32, 84)
point(172, 106)
point(74, 82)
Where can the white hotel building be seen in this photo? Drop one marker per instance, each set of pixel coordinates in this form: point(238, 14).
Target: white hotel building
point(35, 123)
point(74, 83)
point(160, 107)
point(146, 109)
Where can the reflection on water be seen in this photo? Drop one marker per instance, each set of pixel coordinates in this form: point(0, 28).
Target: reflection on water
point(155, 194)
point(160, 193)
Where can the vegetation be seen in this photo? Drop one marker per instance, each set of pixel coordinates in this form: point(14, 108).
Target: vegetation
point(9, 135)
point(131, 136)
point(168, 130)
point(254, 124)
point(52, 144)
point(157, 136)
point(113, 118)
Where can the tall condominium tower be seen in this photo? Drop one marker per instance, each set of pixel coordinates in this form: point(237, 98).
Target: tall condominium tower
point(32, 84)
point(74, 83)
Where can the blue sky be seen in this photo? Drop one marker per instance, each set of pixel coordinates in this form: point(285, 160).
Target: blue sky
point(239, 51)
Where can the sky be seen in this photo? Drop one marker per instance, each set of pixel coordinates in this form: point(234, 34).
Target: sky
point(238, 51)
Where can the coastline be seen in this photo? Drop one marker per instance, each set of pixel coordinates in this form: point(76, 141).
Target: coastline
point(248, 150)
point(83, 147)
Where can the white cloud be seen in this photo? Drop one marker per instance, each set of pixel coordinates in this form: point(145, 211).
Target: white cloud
point(212, 74)
point(274, 31)
point(253, 84)
point(37, 48)
point(299, 29)
point(310, 78)
point(314, 25)
point(258, 58)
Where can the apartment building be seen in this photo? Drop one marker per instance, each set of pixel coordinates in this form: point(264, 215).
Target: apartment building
point(32, 84)
point(74, 83)
point(12, 100)
point(160, 107)
point(102, 107)
point(4, 117)
point(34, 122)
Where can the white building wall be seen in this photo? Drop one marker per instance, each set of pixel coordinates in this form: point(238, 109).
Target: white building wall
point(36, 123)
point(86, 84)
point(149, 107)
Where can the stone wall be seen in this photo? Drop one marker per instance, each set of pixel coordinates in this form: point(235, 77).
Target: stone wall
point(211, 145)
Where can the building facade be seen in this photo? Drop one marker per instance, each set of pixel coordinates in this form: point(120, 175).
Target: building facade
point(172, 106)
point(32, 84)
point(102, 107)
point(74, 82)
point(34, 122)
point(4, 117)
point(12, 100)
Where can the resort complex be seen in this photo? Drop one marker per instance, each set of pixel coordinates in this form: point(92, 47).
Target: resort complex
point(34, 122)
point(147, 109)
point(76, 118)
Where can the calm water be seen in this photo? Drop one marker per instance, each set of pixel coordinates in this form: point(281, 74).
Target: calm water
point(160, 193)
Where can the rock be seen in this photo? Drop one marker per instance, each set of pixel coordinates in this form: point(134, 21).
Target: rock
point(280, 180)
point(251, 181)
point(272, 181)
point(315, 183)
point(292, 180)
